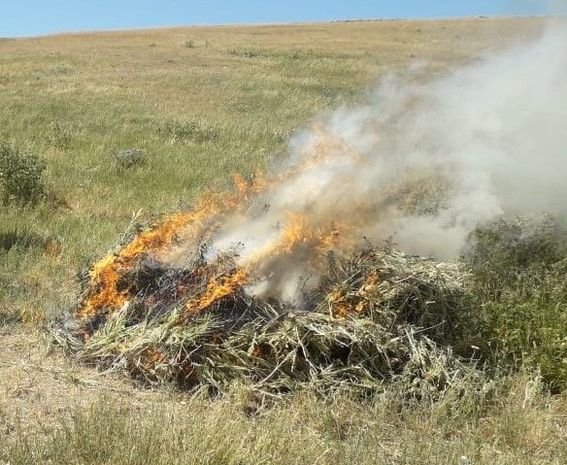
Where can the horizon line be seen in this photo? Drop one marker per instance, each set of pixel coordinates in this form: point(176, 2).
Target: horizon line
point(275, 23)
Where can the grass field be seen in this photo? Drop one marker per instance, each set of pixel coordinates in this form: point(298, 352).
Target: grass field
point(227, 105)
point(203, 103)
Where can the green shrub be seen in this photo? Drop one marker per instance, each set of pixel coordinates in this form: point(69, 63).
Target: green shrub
point(21, 176)
point(190, 130)
point(502, 250)
point(527, 324)
point(519, 268)
point(130, 158)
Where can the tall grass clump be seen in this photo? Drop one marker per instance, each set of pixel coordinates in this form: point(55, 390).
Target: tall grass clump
point(302, 429)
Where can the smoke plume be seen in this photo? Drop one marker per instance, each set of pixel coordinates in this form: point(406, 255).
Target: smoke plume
point(421, 163)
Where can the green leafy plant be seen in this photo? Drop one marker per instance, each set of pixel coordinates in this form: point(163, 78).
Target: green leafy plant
point(60, 135)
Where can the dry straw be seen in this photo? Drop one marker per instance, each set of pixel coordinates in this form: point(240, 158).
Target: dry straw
point(378, 317)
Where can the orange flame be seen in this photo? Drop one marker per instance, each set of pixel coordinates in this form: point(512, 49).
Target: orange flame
point(105, 294)
point(298, 239)
point(344, 304)
point(295, 233)
point(217, 289)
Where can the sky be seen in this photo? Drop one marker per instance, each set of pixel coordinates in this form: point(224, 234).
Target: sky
point(38, 17)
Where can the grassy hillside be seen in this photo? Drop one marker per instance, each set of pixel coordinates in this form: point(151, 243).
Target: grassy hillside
point(203, 103)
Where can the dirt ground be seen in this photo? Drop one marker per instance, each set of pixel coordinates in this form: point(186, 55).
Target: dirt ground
point(40, 386)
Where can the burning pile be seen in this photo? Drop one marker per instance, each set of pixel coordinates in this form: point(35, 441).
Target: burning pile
point(195, 301)
point(376, 316)
point(275, 281)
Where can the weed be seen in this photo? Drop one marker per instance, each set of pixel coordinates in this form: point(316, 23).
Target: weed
point(23, 240)
point(63, 69)
point(60, 135)
point(248, 53)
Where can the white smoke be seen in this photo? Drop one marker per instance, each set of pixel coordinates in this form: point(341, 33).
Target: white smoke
point(489, 139)
point(498, 130)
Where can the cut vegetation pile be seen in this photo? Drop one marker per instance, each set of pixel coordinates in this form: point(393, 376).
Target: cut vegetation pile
point(181, 304)
point(377, 316)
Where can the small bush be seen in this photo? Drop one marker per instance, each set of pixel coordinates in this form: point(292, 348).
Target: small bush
point(245, 53)
point(21, 176)
point(130, 158)
point(191, 130)
point(189, 44)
